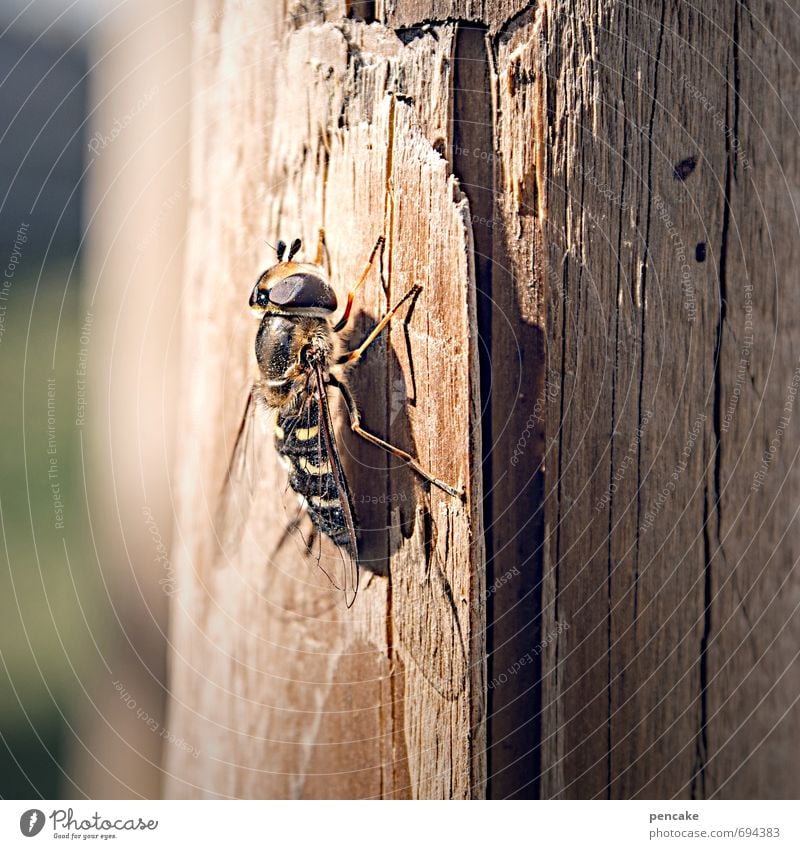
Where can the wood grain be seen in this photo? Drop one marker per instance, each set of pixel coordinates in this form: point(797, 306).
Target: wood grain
point(285, 692)
point(493, 14)
point(666, 682)
point(599, 201)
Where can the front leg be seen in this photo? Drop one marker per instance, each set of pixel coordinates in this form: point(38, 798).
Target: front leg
point(342, 323)
point(353, 357)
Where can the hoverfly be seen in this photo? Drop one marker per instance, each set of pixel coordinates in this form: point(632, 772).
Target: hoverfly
point(299, 357)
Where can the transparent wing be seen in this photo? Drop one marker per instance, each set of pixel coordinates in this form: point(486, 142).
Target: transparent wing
point(347, 580)
point(324, 499)
point(236, 493)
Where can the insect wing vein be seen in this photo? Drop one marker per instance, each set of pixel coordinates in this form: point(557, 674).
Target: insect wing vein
point(234, 500)
point(351, 576)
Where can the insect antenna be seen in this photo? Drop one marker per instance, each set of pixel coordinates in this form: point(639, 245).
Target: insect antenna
point(280, 250)
point(296, 245)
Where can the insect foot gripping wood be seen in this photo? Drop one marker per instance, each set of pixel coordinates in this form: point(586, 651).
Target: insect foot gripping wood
point(295, 348)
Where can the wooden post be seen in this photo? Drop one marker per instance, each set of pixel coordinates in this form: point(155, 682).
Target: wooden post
point(670, 588)
point(278, 688)
point(592, 198)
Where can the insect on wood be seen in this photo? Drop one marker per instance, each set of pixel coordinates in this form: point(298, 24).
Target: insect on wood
point(300, 356)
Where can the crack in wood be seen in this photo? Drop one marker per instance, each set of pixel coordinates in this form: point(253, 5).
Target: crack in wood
point(471, 81)
point(699, 779)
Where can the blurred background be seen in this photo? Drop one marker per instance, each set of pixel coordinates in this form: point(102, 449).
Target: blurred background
point(93, 146)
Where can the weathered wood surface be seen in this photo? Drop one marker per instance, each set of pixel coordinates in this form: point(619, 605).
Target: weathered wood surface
point(671, 175)
point(284, 691)
point(630, 174)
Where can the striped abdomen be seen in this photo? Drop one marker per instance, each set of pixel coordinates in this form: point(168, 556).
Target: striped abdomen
point(299, 438)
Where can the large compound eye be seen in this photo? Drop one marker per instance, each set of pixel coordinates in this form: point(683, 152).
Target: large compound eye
point(307, 292)
point(259, 298)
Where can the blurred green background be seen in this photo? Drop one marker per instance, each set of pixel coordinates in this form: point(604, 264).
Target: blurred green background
point(49, 587)
point(94, 283)
point(49, 584)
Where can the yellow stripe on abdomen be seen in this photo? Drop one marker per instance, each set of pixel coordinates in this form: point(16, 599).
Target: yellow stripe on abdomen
point(323, 503)
point(303, 434)
point(307, 466)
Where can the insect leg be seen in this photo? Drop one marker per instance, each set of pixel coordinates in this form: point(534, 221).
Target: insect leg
point(353, 357)
point(313, 535)
point(340, 324)
point(355, 424)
